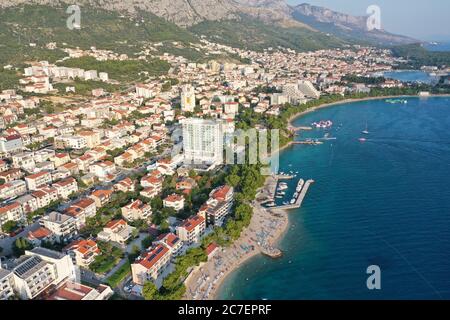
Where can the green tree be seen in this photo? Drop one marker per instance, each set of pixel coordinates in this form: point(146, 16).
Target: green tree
point(10, 226)
point(149, 291)
point(20, 245)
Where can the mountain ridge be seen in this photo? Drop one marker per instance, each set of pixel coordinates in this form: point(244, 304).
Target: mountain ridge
point(187, 14)
point(345, 26)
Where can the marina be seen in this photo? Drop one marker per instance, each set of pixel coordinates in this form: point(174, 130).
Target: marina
point(308, 142)
point(297, 201)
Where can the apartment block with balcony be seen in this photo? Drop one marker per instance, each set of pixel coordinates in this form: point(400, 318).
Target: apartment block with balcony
point(37, 180)
point(40, 269)
point(150, 265)
point(6, 284)
point(192, 229)
point(63, 226)
point(83, 252)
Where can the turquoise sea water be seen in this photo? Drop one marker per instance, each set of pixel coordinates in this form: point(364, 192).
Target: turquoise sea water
point(384, 202)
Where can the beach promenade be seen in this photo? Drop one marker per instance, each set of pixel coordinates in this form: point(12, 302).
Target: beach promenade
point(265, 229)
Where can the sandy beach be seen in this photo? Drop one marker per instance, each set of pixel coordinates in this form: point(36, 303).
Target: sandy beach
point(265, 230)
point(326, 105)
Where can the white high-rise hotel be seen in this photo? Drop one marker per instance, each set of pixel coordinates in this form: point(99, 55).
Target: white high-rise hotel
point(188, 99)
point(202, 141)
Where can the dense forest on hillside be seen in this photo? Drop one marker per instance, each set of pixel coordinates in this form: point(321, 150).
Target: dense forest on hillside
point(251, 34)
point(419, 56)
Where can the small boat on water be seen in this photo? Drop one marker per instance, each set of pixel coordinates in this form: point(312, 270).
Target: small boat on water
point(396, 101)
point(293, 201)
point(362, 139)
point(366, 131)
point(323, 124)
point(272, 204)
point(300, 185)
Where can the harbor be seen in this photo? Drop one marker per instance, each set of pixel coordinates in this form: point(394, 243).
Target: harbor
point(267, 226)
point(299, 199)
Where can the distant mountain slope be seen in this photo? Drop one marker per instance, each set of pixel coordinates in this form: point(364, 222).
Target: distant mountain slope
point(181, 12)
point(345, 26)
point(123, 24)
point(253, 34)
point(42, 24)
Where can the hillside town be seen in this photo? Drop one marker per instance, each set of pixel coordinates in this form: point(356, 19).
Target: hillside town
point(104, 192)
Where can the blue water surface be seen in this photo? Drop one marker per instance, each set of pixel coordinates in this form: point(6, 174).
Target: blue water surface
point(384, 202)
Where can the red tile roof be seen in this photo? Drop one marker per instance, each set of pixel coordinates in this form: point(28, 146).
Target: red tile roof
point(190, 223)
point(151, 258)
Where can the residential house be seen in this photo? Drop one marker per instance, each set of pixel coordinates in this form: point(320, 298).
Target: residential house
point(137, 210)
point(41, 234)
point(116, 231)
point(174, 201)
point(83, 252)
point(66, 187)
point(101, 197)
point(125, 185)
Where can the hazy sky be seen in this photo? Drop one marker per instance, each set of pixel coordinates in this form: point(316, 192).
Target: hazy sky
point(422, 19)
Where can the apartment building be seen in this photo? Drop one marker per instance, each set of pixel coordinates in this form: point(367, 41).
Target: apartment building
point(187, 99)
point(10, 144)
point(45, 196)
point(13, 189)
point(218, 205)
point(70, 142)
point(192, 229)
point(63, 226)
point(202, 141)
point(25, 160)
point(83, 252)
point(116, 231)
point(66, 187)
point(150, 265)
point(103, 169)
point(11, 175)
point(81, 210)
point(6, 284)
point(39, 269)
point(174, 201)
point(101, 197)
point(37, 180)
point(11, 212)
point(172, 242)
point(72, 291)
point(137, 210)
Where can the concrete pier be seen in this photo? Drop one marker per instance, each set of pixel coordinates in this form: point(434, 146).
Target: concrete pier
point(300, 198)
